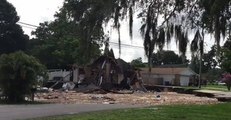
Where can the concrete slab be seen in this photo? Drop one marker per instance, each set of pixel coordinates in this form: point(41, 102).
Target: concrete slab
point(221, 96)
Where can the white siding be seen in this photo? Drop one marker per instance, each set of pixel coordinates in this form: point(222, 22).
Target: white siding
point(184, 80)
point(59, 73)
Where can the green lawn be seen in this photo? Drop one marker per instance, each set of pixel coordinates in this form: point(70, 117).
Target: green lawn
point(176, 112)
point(215, 87)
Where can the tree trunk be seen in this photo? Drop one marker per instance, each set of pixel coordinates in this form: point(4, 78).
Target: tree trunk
point(228, 86)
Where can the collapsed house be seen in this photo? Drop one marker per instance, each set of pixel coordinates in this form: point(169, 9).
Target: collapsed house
point(105, 72)
point(110, 73)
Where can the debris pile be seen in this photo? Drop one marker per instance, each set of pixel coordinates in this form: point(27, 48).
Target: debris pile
point(137, 98)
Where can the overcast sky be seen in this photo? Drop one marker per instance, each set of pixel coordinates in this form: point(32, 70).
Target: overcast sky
point(37, 11)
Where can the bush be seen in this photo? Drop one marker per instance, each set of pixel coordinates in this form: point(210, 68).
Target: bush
point(227, 79)
point(18, 75)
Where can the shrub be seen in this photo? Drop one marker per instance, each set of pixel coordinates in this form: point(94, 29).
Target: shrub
point(227, 79)
point(18, 75)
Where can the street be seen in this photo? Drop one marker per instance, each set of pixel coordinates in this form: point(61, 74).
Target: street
point(13, 112)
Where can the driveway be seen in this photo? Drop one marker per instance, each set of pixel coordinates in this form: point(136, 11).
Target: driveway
point(13, 112)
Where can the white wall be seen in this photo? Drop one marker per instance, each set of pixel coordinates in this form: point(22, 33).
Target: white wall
point(59, 73)
point(184, 80)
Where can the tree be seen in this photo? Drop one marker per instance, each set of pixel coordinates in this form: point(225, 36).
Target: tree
point(216, 18)
point(227, 79)
point(208, 65)
point(18, 74)
point(137, 63)
point(53, 46)
point(166, 58)
point(195, 64)
point(12, 37)
point(197, 50)
point(227, 44)
point(93, 15)
point(211, 17)
point(208, 61)
point(161, 20)
point(225, 56)
point(58, 43)
point(213, 75)
point(226, 60)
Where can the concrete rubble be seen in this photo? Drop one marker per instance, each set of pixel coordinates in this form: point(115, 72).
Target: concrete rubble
point(137, 98)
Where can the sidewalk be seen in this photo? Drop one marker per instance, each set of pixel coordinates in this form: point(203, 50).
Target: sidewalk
point(221, 96)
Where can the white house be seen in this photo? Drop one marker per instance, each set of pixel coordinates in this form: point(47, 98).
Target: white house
point(58, 74)
point(168, 76)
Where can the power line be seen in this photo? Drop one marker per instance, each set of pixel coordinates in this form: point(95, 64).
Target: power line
point(34, 27)
point(27, 27)
point(28, 24)
point(127, 45)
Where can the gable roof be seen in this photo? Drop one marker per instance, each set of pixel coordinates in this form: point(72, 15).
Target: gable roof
point(170, 71)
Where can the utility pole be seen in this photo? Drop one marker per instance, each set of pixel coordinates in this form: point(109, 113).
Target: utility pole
point(200, 69)
point(201, 55)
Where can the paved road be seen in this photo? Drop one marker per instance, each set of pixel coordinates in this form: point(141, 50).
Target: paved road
point(12, 112)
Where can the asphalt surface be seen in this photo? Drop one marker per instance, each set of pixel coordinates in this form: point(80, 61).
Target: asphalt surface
point(20, 112)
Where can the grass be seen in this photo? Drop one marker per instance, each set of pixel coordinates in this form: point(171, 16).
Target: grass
point(209, 87)
point(215, 87)
point(176, 112)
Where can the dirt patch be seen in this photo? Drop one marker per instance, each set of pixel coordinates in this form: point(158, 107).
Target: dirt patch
point(137, 98)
